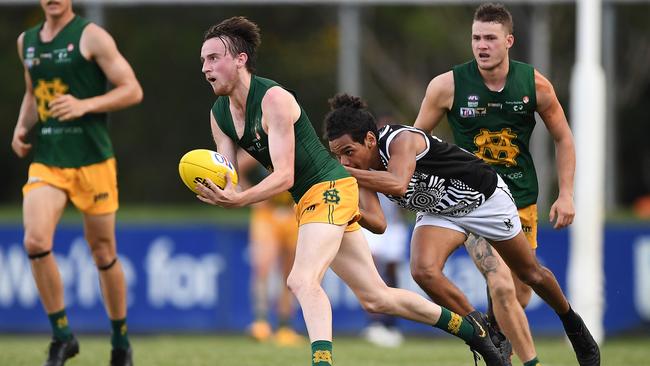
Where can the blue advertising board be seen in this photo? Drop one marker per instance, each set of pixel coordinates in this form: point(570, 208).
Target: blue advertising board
point(196, 278)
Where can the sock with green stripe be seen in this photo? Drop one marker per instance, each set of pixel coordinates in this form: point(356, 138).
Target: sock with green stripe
point(533, 362)
point(455, 324)
point(321, 353)
point(119, 336)
point(60, 328)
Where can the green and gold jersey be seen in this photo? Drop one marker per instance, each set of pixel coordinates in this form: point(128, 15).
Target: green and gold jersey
point(496, 126)
point(313, 162)
point(58, 67)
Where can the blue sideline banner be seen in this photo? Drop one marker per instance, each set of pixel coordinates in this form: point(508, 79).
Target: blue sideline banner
point(196, 278)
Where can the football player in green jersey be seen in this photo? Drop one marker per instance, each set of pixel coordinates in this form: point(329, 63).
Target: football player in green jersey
point(265, 119)
point(67, 62)
point(490, 104)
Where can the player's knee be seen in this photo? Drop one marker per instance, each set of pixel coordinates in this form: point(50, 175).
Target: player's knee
point(532, 276)
point(504, 293)
point(426, 277)
point(103, 256)
point(35, 244)
point(375, 303)
point(299, 285)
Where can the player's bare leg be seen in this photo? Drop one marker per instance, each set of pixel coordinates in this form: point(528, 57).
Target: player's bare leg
point(518, 255)
point(354, 265)
point(317, 246)
point(42, 209)
point(509, 313)
point(286, 335)
point(100, 234)
point(524, 292)
point(428, 258)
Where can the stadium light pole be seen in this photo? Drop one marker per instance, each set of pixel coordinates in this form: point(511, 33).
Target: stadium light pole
point(585, 272)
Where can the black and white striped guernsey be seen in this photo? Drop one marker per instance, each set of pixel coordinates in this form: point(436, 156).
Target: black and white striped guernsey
point(447, 179)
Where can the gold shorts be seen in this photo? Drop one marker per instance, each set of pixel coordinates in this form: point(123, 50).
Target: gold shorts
point(333, 202)
point(91, 188)
point(528, 218)
point(274, 223)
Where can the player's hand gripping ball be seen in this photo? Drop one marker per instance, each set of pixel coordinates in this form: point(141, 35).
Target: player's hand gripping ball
point(197, 165)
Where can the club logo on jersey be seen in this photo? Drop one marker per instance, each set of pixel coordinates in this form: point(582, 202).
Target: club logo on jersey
point(472, 101)
point(467, 112)
point(45, 92)
point(331, 196)
point(70, 47)
point(497, 147)
point(526, 99)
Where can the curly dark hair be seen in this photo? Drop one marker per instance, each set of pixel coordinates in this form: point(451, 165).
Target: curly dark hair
point(349, 115)
point(497, 13)
point(240, 35)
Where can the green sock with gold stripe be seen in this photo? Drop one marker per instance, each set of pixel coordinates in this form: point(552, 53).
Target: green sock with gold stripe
point(321, 353)
point(455, 324)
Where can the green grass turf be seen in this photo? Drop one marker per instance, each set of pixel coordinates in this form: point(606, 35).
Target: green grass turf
point(172, 350)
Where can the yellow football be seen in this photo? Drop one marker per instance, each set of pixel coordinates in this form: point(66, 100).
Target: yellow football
point(197, 165)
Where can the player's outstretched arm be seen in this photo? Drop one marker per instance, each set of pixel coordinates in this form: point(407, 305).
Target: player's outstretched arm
point(28, 115)
point(550, 109)
point(372, 215)
point(96, 44)
point(394, 181)
point(438, 99)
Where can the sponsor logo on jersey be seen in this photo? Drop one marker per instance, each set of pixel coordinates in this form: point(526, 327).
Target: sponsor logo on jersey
point(467, 112)
point(526, 99)
point(495, 105)
point(61, 56)
point(100, 197)
point(30, 60)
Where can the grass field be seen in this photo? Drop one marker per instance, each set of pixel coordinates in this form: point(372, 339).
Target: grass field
point(240, 351)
